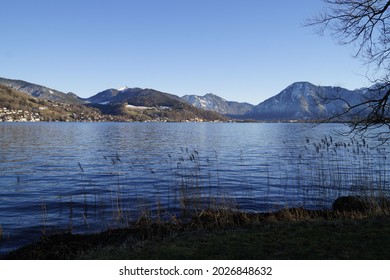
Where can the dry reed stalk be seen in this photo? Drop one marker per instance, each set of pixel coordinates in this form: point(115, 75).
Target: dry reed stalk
point(44, 217)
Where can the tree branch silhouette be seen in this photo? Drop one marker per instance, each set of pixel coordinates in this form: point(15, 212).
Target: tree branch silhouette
point(365, 24)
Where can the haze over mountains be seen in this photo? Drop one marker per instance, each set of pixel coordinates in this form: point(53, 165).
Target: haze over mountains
point(301, 101)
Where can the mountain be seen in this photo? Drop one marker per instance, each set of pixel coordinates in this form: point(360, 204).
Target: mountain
point(103, 97)
point(148, 104)
point(215, 103)
point(136, 97)
point(301, 101)
point(19, 106)
point(41, 92)
point(304, 101)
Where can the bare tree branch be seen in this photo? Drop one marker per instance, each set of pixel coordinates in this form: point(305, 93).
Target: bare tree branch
point(366, 25)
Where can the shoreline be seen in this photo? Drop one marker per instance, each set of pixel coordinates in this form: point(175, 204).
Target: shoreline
point(226, 230)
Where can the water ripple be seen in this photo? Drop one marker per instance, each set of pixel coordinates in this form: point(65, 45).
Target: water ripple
point(87, 177)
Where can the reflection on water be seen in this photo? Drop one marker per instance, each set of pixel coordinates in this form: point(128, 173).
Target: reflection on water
point(90, 176)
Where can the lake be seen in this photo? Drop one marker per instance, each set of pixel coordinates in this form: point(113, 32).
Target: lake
point(88, 177)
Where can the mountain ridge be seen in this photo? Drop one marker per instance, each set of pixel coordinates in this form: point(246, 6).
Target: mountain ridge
point(218, 104)
point(136, 96)
point(41, 92)
point(19, 106)
point(129, 104)
point(305, 101)
point(300, 101)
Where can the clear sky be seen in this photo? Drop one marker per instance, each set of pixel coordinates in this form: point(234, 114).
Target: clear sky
point(241, 50)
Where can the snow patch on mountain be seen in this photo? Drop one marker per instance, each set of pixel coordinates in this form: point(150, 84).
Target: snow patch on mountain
point(215, 103)
point(122, 88)
point(305, 101)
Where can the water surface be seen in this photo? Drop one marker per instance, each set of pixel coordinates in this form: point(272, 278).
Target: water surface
point(92, 176)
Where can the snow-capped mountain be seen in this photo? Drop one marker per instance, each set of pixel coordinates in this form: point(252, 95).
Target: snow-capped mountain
point(215, 103)
point(305, 101)
point(41, 92)
point(122, 88)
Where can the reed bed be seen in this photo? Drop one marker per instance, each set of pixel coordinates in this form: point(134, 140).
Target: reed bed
point(331, 169)
point(193, 186)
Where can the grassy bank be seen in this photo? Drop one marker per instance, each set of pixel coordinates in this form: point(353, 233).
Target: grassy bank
point(363, 239)
point(286, 234)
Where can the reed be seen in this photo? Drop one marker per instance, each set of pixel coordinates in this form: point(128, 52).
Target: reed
point(321, 172)
point(70, 224)
point(311, 176)
point(327, 169)
point(44, 218)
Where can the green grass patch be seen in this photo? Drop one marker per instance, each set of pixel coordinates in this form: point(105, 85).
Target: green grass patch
point(333, 239)
point(288, 234)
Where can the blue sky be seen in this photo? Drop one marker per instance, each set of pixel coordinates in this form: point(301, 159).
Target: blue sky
point(241, 50)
